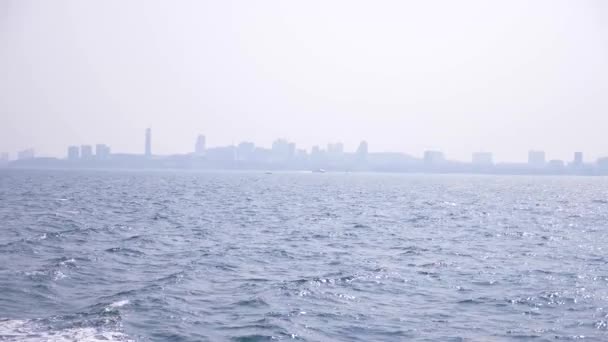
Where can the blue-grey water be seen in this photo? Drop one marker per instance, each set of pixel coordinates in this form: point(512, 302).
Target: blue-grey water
point(179, 256)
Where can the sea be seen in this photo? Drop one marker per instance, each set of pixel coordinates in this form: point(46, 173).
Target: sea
point(257, 256)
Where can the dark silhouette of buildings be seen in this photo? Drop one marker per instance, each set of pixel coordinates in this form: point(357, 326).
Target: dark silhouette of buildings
point(283, 155)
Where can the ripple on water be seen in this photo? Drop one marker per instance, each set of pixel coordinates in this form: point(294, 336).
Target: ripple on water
point(359, 257)
point(33, 331)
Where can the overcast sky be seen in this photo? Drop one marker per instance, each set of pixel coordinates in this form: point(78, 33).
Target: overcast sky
point(458, 76)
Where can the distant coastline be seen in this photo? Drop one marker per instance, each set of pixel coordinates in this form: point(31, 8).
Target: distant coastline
point(374, 163)
point(284, 155)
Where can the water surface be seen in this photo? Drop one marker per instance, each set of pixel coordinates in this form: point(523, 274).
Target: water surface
point(179, 256)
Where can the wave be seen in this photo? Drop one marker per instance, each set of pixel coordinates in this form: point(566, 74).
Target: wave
point(31, 331)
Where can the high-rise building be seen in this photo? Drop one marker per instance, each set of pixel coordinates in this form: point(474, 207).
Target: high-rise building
point(26, 154)
point(73, 152)
point(148, 142)
point(301, 154)
point(200, 145)
point(102, 151)
point(335, 152)
point(433, 157)
point(282, 150)
point(362, 150)
point(86, 152)
point(578, 159)
point(261, 154)
point(602, 163)
point(482, 158)
point(536, 158)
point(244, 151)
point(336, 149)
point(317, 155)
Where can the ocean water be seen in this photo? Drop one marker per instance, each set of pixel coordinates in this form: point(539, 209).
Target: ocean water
point(249, 256)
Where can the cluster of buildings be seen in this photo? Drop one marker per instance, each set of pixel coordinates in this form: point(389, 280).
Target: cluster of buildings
point(29, 153)
point(85, 152)
point(285, 155)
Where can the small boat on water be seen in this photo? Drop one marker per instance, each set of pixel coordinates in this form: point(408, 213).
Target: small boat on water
point(319, 171)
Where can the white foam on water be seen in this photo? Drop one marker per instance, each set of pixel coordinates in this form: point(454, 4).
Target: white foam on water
point(119, 303)
point(27, 331)
point(58, 275)
point(68, 262)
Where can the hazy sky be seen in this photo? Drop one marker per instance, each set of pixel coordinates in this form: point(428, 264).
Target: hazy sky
point(459, 76)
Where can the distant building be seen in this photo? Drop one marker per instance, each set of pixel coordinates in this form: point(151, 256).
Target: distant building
point(148, 151)
point(335, 151)
point(390, 160)
point(221, 154)
point(578, 159)
point(317, 155)
point(102, 151)
point(261, 154)
point(282, 150)
point(433, 157)
point(73, 153)
point(362, 151)
point(556, 164)
point(301, 154)
point(245, 151)
point(26, 154)
point(200, 146)
point(482, 159)
point(4, 157)
point(602, 163)
point(86, 152)
point(536, 158)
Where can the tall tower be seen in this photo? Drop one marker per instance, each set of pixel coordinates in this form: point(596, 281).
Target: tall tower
point(199, 147)
point(148, 142)
point(578, 158)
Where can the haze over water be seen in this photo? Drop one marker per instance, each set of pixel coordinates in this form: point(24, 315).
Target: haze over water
point(406, 76)
point(248, 256)
point(120, 239)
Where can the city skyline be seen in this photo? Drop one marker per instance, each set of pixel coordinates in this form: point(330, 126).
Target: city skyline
point(464, 79)
point(343, 170)
point(535, 157)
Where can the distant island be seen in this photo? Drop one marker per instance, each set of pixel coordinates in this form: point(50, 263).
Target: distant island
point(283, 155)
